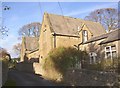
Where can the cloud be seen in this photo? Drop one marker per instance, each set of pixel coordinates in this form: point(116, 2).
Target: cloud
point(78, 12)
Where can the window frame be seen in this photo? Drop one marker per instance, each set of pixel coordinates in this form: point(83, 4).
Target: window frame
point(110, 50)
point(93, 57)
point(84, 36)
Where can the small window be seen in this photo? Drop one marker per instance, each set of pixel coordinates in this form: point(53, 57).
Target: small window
point(114, 54)
point(110, 51)
point(44, 30)
point(107, 48)
point(85, 35)
point(113, 47)
point(93, 57)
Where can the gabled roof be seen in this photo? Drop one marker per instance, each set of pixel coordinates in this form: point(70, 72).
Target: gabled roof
point(65, 25)
point(113, 36)
point(31, 43)
point(109, 37)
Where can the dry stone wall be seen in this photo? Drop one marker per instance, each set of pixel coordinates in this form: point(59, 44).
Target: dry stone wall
point(89, 78)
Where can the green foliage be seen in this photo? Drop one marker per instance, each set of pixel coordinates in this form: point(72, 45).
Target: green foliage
point(4, 61)
point(61, 59)
point(13, 62)
point(104, 65)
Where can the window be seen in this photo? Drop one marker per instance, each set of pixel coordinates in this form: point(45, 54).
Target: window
point(85, 35)
point(110, 51)
point(93, 57)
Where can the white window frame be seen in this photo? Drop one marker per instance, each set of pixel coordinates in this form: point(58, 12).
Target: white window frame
point(110, 51)
point(85, 35)
point(93, 58)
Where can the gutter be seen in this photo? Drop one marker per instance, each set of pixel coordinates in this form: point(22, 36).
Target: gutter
point(57, 34)
point(33, 51)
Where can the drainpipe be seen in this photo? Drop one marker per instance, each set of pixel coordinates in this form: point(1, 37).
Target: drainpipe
point(54, 41)
point(78, 46)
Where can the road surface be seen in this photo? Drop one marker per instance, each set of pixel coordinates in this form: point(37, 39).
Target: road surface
point(28, 79)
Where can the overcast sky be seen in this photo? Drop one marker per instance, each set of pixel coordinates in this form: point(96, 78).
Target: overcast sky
point(22, 13)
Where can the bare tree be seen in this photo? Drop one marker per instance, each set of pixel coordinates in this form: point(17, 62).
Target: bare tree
point(31, 29)
point(4, 54)
point(17, 48)
point(108, 17)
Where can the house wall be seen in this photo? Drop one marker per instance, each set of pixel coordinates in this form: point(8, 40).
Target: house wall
point(90, 35)
point(116, 43)
point(100, 49)
point(66, 41)
point(22, 50)
point(46, 38)
point(47, 41)
point(94, 47)
point(33, 55)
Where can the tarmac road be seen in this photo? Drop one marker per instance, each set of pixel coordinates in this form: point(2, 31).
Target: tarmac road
point(28, 79)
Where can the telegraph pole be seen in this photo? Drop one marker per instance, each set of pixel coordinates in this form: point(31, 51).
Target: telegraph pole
point(3, 29)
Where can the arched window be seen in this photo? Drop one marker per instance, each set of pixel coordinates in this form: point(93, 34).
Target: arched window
point(93, 57)
point(85, 35)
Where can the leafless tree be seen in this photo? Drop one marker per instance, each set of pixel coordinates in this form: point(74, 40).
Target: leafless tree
point(17, 48)
point(4, 54)
point(108, 17)
point(31, 29)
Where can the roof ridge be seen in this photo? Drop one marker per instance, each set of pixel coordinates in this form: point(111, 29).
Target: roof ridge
point(59, 26)
point(72, 17)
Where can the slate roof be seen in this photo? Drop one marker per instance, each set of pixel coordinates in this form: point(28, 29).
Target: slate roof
point(65, 25)
point(109, 37)
point(113, 36)
point(31, 43)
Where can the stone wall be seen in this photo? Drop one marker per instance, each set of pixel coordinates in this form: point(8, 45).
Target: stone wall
point(33, 55)
point(67, 41)
point(89, 78)
point(47, 41)
point(4, 72)
point(37, 68)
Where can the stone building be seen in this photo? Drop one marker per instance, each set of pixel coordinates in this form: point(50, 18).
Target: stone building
point(57, 30)
point(30, 49)
point(104, 46)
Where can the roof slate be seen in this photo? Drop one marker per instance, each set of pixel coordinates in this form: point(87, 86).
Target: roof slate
point(31, 43)
point(65, 25)
point(109, 37)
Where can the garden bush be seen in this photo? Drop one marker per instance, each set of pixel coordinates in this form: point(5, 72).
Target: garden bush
point(104, 65)
point(60, 59)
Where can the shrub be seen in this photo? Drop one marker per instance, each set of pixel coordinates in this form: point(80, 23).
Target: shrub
point(108, 64)
point(60, 59)
point(12, 63)
point(104, 65)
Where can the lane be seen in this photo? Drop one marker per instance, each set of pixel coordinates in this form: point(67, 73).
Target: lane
point(28, 79)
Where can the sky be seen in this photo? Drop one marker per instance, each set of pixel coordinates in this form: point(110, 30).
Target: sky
point(22, 13)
